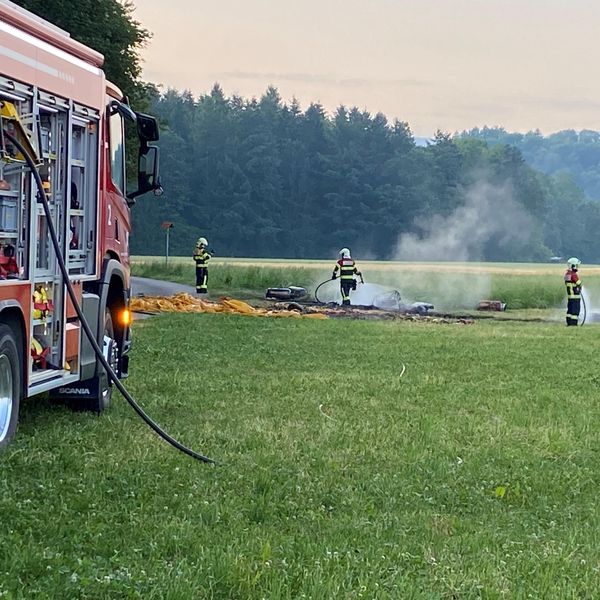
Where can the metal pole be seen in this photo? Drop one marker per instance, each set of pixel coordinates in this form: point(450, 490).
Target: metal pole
point(167, 250)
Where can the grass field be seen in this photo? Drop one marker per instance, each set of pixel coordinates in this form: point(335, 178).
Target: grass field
point(472, 475)
point(378, 265)
point(449, 286)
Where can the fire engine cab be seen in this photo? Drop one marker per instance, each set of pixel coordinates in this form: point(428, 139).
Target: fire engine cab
point(55, 101)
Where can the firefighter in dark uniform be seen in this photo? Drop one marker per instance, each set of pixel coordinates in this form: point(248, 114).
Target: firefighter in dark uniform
point(347, 270)
point(201, 257)
point(573, 284)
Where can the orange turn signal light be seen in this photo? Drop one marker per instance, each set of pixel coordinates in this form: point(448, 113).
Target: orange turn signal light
point(126, 317)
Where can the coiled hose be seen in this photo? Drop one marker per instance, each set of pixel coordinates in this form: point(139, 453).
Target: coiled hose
point(43, 199)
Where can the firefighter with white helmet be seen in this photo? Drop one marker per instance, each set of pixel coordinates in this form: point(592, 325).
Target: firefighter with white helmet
point(347, 270)
point(573, 285)
point(201, 257)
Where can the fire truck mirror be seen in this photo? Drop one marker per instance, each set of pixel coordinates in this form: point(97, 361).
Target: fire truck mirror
point(123, 109)
point(147, 128)
point(148, 170)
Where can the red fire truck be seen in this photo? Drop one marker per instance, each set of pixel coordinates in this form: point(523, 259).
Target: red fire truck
point(55, 101)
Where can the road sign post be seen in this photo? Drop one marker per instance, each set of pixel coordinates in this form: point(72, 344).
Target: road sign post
point(167, 226)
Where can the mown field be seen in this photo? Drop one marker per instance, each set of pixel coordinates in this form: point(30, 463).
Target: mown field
point(449, 286)
point(357, 459)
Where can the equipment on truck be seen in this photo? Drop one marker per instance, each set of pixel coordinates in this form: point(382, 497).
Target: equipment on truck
point(109, 346)
point(9, 269)
point(63, 123)
point(39, 354)
point(10, 122)
point(42, 305)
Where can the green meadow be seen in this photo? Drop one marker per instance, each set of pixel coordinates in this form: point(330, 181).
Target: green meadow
point(355, 459)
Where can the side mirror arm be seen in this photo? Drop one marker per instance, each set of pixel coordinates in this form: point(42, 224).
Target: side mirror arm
point(123, 109)
point(147, 182)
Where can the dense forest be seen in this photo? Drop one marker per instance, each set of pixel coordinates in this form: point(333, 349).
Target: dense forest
point(568, 151)
point(261, 177)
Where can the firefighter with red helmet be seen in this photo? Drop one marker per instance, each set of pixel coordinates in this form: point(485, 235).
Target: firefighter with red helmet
point(347, 270)
point(573, 285)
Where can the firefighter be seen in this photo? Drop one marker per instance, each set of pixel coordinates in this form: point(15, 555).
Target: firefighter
point(347, 269)
point(201, 256)
point(573, 284)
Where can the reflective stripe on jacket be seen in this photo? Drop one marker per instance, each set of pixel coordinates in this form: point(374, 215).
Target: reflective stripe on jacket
point(346, 267)
point(573, 284)
point(202, 258)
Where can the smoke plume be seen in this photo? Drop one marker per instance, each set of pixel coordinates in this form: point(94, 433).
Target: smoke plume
point(489, 222)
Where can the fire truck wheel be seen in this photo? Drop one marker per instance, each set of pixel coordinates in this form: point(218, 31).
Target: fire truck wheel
point(106, 387)
point(10, 384)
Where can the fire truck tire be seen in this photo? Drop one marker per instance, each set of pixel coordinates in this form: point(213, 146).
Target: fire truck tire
point(10, 384)
point(106, 387)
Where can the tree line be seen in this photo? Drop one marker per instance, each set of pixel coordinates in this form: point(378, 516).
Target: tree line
point(262, 177)
point(576, 153)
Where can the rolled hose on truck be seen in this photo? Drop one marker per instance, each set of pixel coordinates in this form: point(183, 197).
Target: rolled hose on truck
point(112, 376)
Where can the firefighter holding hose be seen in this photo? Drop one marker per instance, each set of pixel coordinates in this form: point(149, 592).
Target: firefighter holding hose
point(201, 257)
point(347, 270)
point(573, 284)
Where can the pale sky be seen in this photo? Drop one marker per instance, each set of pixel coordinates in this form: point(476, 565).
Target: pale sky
point(447, 64)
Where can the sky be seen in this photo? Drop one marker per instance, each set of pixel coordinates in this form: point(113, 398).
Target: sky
point(437, 64)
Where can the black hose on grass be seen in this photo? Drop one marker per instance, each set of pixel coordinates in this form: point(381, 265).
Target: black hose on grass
point(318, 288)
point(319, 301)
point(43, 199)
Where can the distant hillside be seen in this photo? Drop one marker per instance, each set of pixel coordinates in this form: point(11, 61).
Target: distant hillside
point(569, 151)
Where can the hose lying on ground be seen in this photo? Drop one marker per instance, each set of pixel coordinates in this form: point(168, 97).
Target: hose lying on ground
point(43, 199)
point(318, 288)
point(378, 300)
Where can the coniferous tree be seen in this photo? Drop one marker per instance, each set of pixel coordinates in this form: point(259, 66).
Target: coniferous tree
point(260, 177)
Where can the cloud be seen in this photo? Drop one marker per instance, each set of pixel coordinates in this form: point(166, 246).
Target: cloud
point(565, 103)
point(322, 78)
point(503, 106)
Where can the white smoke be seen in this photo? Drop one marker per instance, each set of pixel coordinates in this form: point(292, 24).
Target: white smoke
point(490, 215)
point(365, 294)
point(489, 220)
